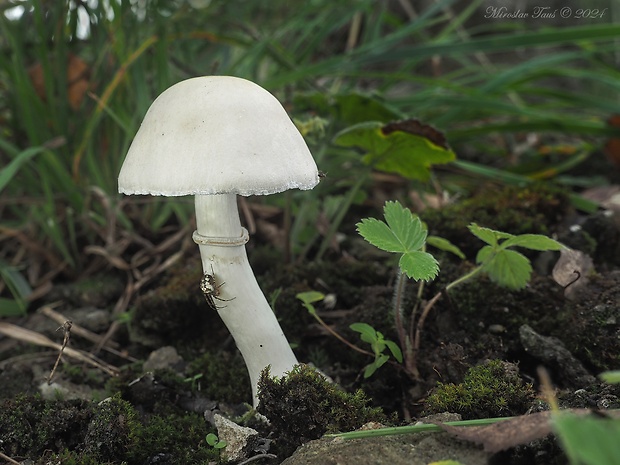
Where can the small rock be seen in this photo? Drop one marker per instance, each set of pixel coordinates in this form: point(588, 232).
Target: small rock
point(551, 351)
point(165, 357)
point(240, 440)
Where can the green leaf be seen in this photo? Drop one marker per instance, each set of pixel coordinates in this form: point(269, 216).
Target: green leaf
point(533, 241)
point(588, 440)
point(374, 366)
point(212, 439)
point(406, 227)
point(9, 307)
point(310, 297)
point(397, 148)
point(7, 173)
point(402, 233)
point(307, 298)
point(379, 234)
point(507, 268)
point(490, 236)
point(367, 333)
point(445, 245)
point(611, 377)
point(19, 289)
point(419, 265)
point(396, 352)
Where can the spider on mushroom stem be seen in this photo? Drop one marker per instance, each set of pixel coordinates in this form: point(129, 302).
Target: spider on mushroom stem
point(211, 290)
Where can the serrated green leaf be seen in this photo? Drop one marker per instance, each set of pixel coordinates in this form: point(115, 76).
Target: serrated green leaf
point(509, 269)
point(407, 228)
point(488, 235)
point(445, 245)
point(419, 265)
point(405, 153)
point(532, 241)
point(380, 235)
point(484, 254)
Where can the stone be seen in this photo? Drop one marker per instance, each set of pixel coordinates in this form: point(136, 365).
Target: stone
point(240, 440)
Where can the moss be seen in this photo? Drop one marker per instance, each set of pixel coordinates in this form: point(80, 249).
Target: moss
point(71, 457)
point(179, 438)
point(113, 430)
point(225, 377)
point(29, 425)
point(303, 405)
point(490, 390)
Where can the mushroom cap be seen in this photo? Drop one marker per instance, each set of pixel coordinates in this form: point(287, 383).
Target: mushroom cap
point(216, 135)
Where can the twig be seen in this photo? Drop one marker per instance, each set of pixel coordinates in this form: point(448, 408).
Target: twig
point(66, 327)
point(32, 337)
point(258, 457)
point(8, 459)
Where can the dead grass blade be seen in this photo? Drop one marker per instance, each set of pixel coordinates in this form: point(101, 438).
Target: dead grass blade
point(32, 337)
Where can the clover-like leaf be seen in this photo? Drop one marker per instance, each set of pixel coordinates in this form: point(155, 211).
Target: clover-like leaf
point(406, 227)
point(488, 235)
point(379, 234)
point(533, 242)
point(419, 265)
point(404, 233)
point(507, 268)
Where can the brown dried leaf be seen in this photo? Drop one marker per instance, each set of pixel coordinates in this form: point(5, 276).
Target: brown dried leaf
point(504, 434)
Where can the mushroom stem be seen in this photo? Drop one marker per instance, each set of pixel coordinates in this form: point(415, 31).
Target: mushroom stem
point(243, 308)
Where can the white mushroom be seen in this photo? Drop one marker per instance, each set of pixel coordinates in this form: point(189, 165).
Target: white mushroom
point(215, 137)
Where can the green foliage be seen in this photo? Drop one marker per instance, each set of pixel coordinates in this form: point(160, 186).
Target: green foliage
point(611, 377)
point(395, 151)
point(588, 440)
point(303, 405)
point(215, 442)
point(19, 288)
point(379, 345)
point(508, 268)
point(489, 390)
point(402, 233)
point(308, 298)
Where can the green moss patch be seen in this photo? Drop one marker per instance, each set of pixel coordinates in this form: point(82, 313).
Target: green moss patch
point(490, 390)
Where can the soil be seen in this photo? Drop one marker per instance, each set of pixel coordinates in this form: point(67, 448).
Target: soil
point(173, 363)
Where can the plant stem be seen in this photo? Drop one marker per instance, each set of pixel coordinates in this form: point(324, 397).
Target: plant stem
point(464, 278)
point(400, 323)
point(338, 336)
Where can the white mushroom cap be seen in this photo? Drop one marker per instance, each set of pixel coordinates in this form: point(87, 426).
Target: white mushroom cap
point(217, 135)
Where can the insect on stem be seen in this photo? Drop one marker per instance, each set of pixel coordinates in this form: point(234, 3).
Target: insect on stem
point(211, 290)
